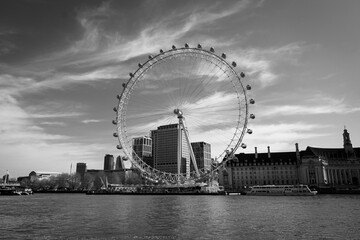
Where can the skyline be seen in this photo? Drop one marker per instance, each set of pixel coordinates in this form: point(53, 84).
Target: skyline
point(62, 65)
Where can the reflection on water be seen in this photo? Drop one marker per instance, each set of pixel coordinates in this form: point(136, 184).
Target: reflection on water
point(78, 216)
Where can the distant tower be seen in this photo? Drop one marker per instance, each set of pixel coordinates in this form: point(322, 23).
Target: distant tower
point(81, 169)
point(348, 146)
point(6, 177)
point(108, 162)
point(297, 153)
point(119, 164)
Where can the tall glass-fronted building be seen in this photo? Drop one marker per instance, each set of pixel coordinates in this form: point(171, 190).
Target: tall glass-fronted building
point(202, 152)
point(166, 149)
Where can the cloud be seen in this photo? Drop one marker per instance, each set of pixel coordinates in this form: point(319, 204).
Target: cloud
point(158, 35)
point(53, 123)
point(11, 85)
point(54, 109)
point(261, 64)
point(17, 85)
point(27, 146)
point(283, 136)
point(86, 121)
point(317, 105)
point(93, 57)
point(49, 156)
point(102, 54)
point(328, 76)
point(260, 69)
point(6, 46)
point(16, 126)
point(100, 46)
point(55, 115)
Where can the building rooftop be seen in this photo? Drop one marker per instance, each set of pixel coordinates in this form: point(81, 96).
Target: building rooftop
point(277, 158)
point(329, 153)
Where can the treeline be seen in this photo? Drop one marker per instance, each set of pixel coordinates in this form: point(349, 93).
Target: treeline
point(75, 182)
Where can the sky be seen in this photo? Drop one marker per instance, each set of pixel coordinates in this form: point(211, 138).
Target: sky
point(62, 64)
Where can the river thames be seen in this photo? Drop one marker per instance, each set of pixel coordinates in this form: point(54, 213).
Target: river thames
point(80, 216)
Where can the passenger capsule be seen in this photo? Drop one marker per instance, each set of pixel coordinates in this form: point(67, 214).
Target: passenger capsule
point(249, 131)
point(140, 65)
point(243, 145)
point(124, 85)
point(118, 96)
point(114, 122)
point(227, 152)
point(252, 101)
point(119, 147)
point(186, 45)
point(248, 87)
point(223, 56)
point(199, 46)
point(173, 47)
point(233, 64)
point(151, 57)
point(115, 135)
point(252, 116)
point(115, 109)
point(161, 51)
point(131, 74)
point(242, 74)
point(212, 49)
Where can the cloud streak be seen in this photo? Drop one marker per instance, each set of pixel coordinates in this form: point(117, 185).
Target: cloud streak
point(89, 59)
point(283, 136)
point(86, 121)
point(315, 106)
point(53, 123)
point(260, 64)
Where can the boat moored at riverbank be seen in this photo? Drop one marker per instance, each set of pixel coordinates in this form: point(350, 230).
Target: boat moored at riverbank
point(14, 189)
point(281, 190)
point(159, 190)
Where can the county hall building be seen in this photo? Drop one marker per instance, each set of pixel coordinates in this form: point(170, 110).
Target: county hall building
point(316, 167)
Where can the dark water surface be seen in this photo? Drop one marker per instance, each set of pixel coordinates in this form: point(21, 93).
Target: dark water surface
point(80, 216)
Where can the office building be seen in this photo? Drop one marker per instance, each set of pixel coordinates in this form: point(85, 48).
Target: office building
point(269, 168)
point(167, 151)
point(81, 169)
point(108, 162)
point(142, 147)
point(334, 167)
point(337, 168)
point(202, 152)
point(119, 163)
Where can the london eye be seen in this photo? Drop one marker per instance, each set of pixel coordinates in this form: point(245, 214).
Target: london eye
point(195, 90)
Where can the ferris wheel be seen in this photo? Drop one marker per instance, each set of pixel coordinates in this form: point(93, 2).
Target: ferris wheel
point(194, 91)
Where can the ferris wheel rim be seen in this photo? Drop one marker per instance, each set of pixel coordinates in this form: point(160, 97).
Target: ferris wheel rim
point(152, 173)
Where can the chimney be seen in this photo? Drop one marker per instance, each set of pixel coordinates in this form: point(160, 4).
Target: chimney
point(269, 156)
point(297, 152)
point(256, 156)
